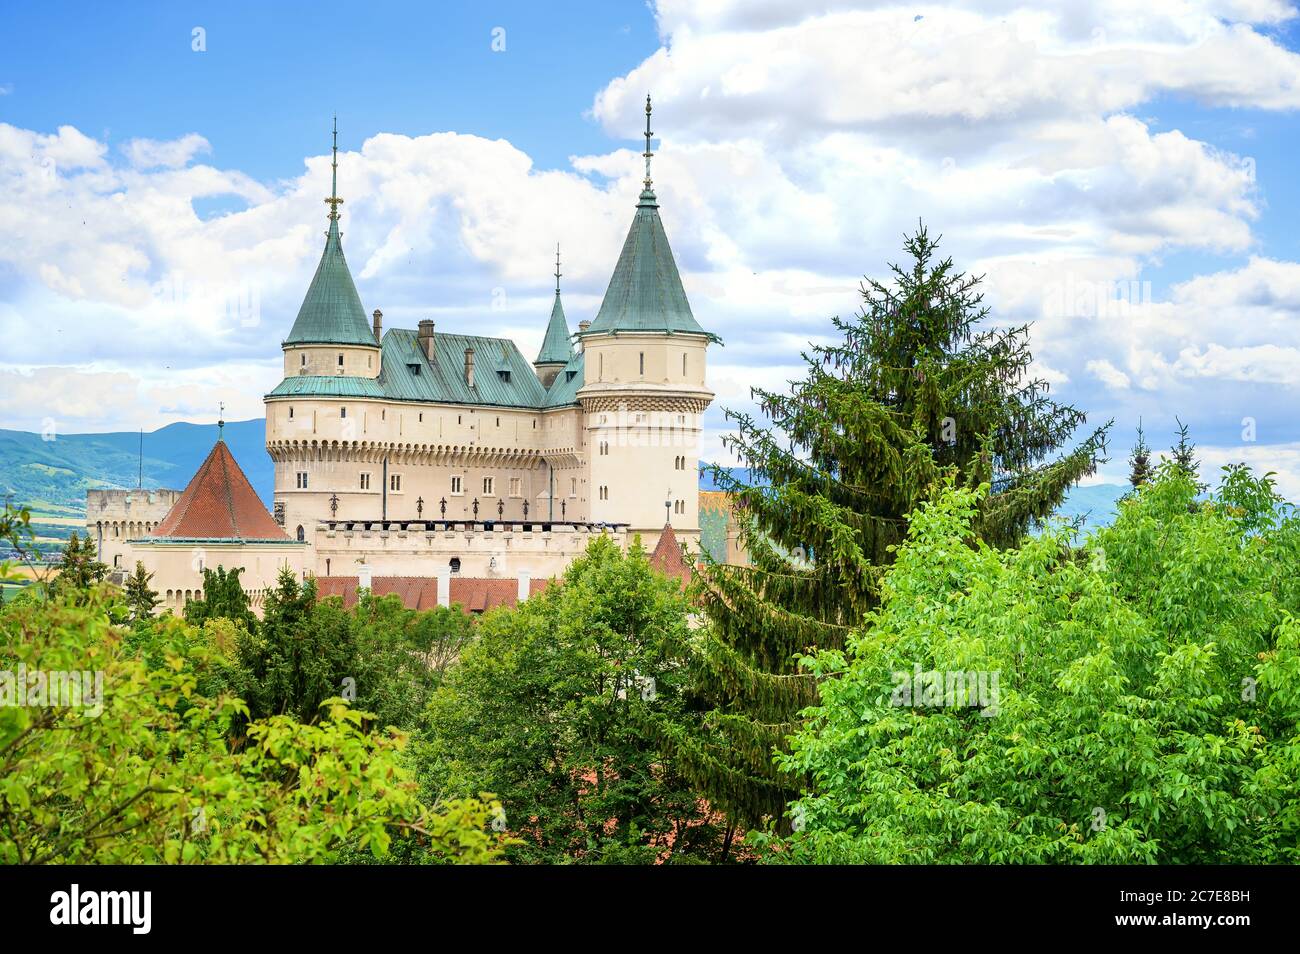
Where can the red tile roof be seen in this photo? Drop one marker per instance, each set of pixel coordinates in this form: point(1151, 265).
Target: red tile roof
point(219, 504)
point(667, 556)
point(475, 594)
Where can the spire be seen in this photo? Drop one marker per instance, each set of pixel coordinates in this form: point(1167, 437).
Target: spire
point(557, 347)
point(334, 201)
point(221, 419)
point(331, 311)
point(647, 153)
point(645, 292)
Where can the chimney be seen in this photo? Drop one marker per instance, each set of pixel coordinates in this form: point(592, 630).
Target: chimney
point(582, 326)
point(525, 583)
point(426, 338)
point(469, 367)
point(444, 585)
point(379, 324)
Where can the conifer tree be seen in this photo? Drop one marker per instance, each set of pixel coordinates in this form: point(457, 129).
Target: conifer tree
point(78, 567)
point(912, 391)
point(223, 596)
point(1184, 452)
point(139, 596)
point(1140, 461)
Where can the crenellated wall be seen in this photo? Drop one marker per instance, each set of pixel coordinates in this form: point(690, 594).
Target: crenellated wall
point(115, 516)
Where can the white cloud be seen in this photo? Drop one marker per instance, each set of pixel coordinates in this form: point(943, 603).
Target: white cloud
point(170, 154)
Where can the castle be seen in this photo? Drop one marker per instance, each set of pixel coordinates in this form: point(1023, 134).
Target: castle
point(435, 455)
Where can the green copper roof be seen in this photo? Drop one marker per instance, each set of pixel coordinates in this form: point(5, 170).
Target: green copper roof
point(332, 312)
point(502, 376)
point(645, 293)
point(556, 346)
point(564, 389)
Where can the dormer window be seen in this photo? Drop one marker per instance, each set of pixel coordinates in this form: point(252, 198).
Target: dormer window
point(413, 368)
point(504, 375)
point(570, 375)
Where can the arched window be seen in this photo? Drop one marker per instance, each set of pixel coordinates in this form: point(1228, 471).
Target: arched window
point(302, 534)
point(455, 564)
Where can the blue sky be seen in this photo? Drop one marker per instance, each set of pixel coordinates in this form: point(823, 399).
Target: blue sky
point(1057, 146)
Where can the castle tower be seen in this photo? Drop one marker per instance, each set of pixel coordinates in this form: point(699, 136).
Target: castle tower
point(644, 393)
point(557, 346)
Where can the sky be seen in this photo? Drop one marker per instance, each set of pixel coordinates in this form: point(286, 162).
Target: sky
point(1122, 175)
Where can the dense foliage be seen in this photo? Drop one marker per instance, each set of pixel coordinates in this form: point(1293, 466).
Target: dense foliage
point(561, 708)
point(916, 387)
point(1146, 707)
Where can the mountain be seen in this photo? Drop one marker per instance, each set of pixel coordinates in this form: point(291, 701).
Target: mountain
point(58, 472)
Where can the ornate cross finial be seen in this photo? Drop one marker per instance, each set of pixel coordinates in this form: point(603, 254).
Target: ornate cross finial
point(557, 268)
point(648, 153)
point(334, 201)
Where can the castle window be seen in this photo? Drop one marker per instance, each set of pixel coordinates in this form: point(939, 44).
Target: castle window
point(454, 563)
point(395, 483)
point(683, 364)
point(516, 486)
point(643, 363)
point(498, 422)
point(302, 534)
point(421, 419)
point(291, 414)
point(573, 486)
point(304, 360)
point(302, 480)
point(504, 375)
point(413, 368)
point(383, 414)
point(340, 361)
point(365, 481)
point(457, 485)
point(488, 485)
point(343, 412)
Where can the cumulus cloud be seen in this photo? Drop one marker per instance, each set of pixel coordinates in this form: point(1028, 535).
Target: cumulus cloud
point(170, 154)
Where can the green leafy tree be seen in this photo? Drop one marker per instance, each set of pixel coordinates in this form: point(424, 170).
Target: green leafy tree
point(139, 596)
point(1139, 461)
point(915, 388)
point(223, 598)
point(1145, 707)
point(563, 706)
point(141, 770)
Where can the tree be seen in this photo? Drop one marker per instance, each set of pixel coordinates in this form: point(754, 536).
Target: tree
point(562, 707)
point(1184, 452)
point(223, 597)
point(131, 764)
point(139, 596)
point(913, 390)
point(1139, 461)
point(78, 567)
point(1135, 700)
point(302, 653)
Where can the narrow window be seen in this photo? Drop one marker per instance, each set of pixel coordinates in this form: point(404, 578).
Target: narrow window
point(340, 361)
point(343, 412)
point(643, 363)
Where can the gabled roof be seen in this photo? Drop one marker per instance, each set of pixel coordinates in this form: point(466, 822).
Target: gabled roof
point(667, 556)
point(220, 504)
point(557, 348)
point(331, 312)
point(645, 292)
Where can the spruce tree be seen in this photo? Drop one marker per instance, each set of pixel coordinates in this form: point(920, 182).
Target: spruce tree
point(1139, 461)
point(914, 392)
point(139, 596)
point(78, 566)
point(1184, 452)
point(223, 596)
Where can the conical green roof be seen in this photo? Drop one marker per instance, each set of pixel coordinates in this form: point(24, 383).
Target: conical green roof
point(646, 293)
point(332, 312)
point(557, 348)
